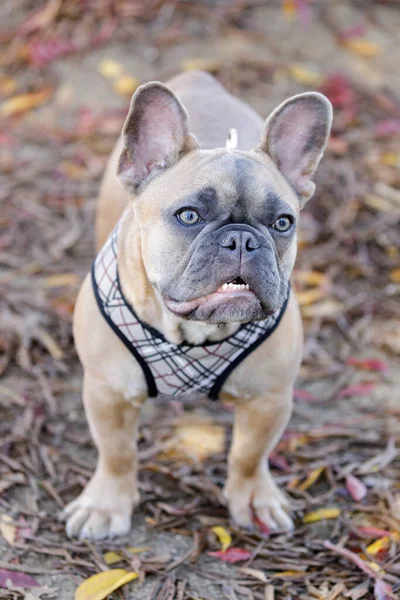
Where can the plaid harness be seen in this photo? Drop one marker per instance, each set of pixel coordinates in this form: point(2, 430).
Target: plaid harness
point(172, 369)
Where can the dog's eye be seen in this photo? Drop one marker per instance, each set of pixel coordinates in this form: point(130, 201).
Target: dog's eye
point(188, 216)
point(283, 224)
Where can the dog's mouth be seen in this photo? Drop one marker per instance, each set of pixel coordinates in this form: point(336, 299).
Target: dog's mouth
point(235, 289)
point(236, 285)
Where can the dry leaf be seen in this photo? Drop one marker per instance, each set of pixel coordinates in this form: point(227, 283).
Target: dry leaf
point(8, 85)
point(312, 278)
point(395, 275)
point(311, 478)
point(290, 574)
point(126, 85)
point(223, 536)
point(256, 573)
point(390, 159)
point(201, 64)
point(232, 555)
point(371, 364)
point(198, 440)
point(373, 531)
point(356, 488)
point(101, 585)
point(61, 280)
point(304, 76)
point(307, 297)
point(362, 47)
point(110, 558)
point(324, 309)
point(42, 18)
point(382, 544)
point(111, 69)
point(24, 102)
point(8, 529)
point(359, 389)
point(321, 514)
point(289, 8)
point(17, 579)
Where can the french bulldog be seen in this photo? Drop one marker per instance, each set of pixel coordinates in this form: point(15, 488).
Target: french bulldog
point(191, 288)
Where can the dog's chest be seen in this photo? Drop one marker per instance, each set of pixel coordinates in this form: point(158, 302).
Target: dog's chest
point(170, 369)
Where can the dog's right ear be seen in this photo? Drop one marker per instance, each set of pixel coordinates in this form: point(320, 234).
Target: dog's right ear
point(155, 135)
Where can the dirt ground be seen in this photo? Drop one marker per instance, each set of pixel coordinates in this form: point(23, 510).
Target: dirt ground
point(62, 104)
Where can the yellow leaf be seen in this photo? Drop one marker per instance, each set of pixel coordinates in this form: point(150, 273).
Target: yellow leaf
point(312, 478)
point(110, 558)
point(23, 102)
point(111, 69)
point(61, 280)
point(312, 278)
point(322, 513)
point(376, 568)
point(391, 159)
point(126, 85)
point(381, 544)
point(198, 439)
point(8, 85)
point(101, 585)
point(307, 297)
point(8, 529)
point(325, 308)
point(201, 64)
point(289, 8)
point(381, 204)
point(223, 535)
point(395, 275)
point(138, 550)
point(304, 76)
point(362, 47)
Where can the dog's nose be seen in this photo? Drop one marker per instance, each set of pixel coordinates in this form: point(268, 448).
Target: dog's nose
point(239, 241)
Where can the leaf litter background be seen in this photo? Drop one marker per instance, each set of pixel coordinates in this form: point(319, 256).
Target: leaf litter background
point(68, 69)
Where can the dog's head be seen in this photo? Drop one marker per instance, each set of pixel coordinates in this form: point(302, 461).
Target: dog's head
point(218, 227)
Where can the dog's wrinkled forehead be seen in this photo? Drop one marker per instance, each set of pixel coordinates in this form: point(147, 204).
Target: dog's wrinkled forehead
point(241, 181)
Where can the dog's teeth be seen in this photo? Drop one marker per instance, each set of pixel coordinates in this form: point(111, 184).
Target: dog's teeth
point(247, 287)
point(225, 286)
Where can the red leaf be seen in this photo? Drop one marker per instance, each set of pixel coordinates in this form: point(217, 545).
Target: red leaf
point(387, 127)
point(303, 11)
point(338, 89)
point(304, 396)
point(232, 555)
point(352, 32)
point(43, 53)
point(17, 579)
point(372, 364)
point(356, 488)
point(374, 532)
point(358, 389)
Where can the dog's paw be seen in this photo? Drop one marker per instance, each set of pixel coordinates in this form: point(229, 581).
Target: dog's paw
point(258, 502)
point(93, 524)
point(102, 511)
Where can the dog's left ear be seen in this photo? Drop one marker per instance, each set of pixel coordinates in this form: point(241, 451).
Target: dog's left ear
point(155, 135)
point(295, 137)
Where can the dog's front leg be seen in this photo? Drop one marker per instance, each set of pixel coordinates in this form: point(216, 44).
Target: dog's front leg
point(105, 506)
point(250, 488)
